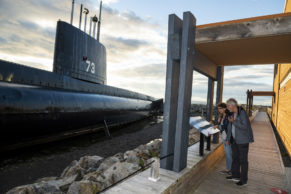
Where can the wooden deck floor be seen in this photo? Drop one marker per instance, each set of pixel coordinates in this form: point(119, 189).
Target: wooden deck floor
point(265, 165)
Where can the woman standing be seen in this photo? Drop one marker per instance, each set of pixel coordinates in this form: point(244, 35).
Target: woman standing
point(222, 125)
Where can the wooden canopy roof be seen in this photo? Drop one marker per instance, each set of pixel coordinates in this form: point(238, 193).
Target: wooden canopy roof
point(257, 40)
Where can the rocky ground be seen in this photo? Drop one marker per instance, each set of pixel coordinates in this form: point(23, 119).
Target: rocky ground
point(26, 166)
point(86, 163)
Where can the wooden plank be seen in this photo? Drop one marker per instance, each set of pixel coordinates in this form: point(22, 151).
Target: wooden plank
point(243, 20)
point(262, 93)
point(171, 95)
point(245, 28)
point(248, 51)
point(262, 175)
point(261, 40)
point(185, 92)
point(204, 66)
point(284, 114)
point(275, 99)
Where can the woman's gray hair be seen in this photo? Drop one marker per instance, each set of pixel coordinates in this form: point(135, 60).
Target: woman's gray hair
point(232, 101)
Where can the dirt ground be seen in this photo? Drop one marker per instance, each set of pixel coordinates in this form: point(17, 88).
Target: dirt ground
point(26, 166)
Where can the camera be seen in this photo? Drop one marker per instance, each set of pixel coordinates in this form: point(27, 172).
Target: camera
point(228, 113)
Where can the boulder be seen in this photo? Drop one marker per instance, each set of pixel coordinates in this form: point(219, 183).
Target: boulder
point(108, 162)
point(111, 175)
point(119, 171)
point(90, 163)
point(84, 186)
point(74, 170)
point(44, 179)
point(36, 188)
point(154, 146)
point(131, 156)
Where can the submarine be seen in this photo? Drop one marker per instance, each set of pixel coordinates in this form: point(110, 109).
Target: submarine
point(36, 103)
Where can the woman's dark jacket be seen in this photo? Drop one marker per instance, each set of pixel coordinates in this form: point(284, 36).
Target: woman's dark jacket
point(224, 124)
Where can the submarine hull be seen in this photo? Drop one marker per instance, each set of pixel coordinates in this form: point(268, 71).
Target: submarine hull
point(28, 111)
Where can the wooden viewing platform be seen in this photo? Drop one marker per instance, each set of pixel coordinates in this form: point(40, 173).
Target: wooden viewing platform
point(202, 175)
point(266, 169)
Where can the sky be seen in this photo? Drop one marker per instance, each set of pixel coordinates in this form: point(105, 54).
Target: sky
point(134, 33)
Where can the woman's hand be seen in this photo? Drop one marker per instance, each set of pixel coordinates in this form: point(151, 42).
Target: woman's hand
point(215, 126)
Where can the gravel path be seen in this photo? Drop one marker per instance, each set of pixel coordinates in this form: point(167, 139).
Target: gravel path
point(26, 166)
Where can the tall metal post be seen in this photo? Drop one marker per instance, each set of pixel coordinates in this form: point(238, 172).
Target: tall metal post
point(90, 28)
point(185, 91)
point(171, 95)
point(209, 106)
point(95, 20)
point(86, 11)
point(72, 12)
point(99, 22)
point(80, 19)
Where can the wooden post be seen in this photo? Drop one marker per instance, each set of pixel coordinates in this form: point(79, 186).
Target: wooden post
point(219, 91)
point(201, 144)
point(172, 86)
point(185, 91)
point(209, 106)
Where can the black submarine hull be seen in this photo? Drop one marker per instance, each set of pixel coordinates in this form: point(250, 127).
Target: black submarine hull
point(28, 111)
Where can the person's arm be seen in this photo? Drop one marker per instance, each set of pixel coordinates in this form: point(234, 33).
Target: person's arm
point(241, 121)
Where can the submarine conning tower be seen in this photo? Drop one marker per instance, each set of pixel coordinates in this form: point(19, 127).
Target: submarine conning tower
point(79, 55)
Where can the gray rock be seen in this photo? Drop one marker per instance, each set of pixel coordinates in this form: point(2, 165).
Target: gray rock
point(119, 171)
point(154, 145)
point(44, 179)
point(90, 163)
point(85, 186)
point(64, 183)
point(74, 170)
point(111, 175)
point(131, 156)
point(36, 188)
point(107, 163)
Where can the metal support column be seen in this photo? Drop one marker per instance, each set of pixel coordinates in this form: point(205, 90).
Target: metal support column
point(201, 144)
point(209, 106)
point(172, 86)
point(185, 91)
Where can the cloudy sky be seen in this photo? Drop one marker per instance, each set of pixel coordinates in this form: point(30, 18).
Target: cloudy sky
point(135, 35)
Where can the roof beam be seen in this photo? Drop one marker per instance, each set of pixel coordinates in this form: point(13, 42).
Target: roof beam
point(262, 93)
point(259, 40)
point(269, 25)
point(204, 66)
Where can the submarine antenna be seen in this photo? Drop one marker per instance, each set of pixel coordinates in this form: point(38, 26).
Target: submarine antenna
point(86, 11)
point(95, 20)
point(99, 22)
point(72, 12)
point(80, 20)
point(90, 28)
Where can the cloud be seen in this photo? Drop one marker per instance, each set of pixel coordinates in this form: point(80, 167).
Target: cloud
point(107, 2)
point(136, 47)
